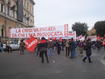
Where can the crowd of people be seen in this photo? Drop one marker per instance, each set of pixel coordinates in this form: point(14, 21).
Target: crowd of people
point(46, 48)
point(70, 47)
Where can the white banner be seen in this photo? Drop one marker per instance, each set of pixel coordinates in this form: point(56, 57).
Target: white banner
point(93, 38)
point(82, 38)
point(52, 31)
point(71, 35)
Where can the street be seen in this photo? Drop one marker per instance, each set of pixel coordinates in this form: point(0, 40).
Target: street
point(29, 66)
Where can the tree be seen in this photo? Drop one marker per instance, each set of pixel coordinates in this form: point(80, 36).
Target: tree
point(100, 28)
point(80, 28)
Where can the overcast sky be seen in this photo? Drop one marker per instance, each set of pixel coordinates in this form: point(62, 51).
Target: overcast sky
point(60, 12)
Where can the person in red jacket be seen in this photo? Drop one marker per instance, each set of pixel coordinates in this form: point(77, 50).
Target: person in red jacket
point(43, 49)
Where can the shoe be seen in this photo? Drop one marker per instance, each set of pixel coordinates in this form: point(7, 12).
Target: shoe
point(90, 62)
point(84, 61)
point(47, 61)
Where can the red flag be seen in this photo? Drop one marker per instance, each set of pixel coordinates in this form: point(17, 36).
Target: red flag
point(31, 43)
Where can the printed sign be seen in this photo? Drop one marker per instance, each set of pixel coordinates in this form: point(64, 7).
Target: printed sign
point(53, 31)
point(31, 43)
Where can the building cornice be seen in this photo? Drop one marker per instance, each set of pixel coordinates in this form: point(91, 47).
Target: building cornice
point(32, 2)
point(29, 12)
point(12, 19)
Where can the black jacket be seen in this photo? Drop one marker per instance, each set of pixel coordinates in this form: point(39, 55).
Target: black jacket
point(88, 48)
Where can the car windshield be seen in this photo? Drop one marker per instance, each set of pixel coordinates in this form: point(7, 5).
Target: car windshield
point(14, 42)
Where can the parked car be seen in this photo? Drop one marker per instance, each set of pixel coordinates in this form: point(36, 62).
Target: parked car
point(14, 46)
point(4, 46)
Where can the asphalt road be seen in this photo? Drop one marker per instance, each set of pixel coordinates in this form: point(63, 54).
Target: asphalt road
point(29, 66)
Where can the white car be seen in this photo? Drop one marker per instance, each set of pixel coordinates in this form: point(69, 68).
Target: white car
point(4, 46)
point(14, 46)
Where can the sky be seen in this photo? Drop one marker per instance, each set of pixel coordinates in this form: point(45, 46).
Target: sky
point(60, 12)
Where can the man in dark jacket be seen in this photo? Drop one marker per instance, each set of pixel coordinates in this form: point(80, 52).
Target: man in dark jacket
point(1, 47)
point(73, 48)
point(88, 51)
point(43, 49)
point(58, 45)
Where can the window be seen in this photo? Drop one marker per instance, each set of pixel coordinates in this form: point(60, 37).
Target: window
point(2, 8)
point(7, 10)
point(2, 32)
point(11, 13)
point(15, 14)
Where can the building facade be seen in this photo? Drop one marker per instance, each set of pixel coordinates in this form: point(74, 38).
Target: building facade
point(15, 14)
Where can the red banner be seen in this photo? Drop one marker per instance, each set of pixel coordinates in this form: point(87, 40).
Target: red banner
point(31, 43)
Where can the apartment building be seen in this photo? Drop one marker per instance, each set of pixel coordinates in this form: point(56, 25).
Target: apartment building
point(15, 14)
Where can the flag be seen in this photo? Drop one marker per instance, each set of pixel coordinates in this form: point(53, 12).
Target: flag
point(31, 43)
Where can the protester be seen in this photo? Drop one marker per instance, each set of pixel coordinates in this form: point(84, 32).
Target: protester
point(22, 47)
point(43, 49)
point(88, 50)
point(81, 47)
point(73, 48)
point(63, 45)
point(8, 48)
point(37, 50)
point(55, 46)
point(67, 47)
point(1, 47)
point(50, 47)
point(58, 44)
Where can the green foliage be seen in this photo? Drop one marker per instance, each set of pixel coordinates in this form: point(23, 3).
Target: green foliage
point(80, 28)
point(100, 28)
